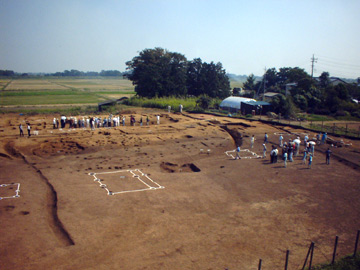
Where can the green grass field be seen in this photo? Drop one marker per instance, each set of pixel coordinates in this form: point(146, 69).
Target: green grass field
point(43, 91)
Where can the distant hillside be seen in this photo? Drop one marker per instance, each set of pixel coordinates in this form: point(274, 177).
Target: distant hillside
point(241, 78)
point(237, 78)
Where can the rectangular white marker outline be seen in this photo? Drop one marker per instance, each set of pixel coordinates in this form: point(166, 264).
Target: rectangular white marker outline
point(135, 173)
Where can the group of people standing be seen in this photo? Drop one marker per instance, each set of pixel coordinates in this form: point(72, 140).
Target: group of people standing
point(92, 122)
point(21, 129)
point(98, 122)
point(291, 149)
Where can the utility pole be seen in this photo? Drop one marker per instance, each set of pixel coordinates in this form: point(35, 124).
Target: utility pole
point(313, 60)
point(263, 97)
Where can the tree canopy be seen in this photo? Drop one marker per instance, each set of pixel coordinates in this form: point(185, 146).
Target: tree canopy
point(313, 95)
point(158, 73)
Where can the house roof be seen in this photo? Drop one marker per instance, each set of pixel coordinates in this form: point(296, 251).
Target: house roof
point(257, 103)
point(271, 94)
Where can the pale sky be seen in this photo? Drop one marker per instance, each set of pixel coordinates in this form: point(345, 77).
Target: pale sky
point(245, 36)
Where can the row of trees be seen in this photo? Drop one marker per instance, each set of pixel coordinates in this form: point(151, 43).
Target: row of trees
point(160, 73)
point(322, 95)
point(6, 73)
point(77, 73)
point(65, 73)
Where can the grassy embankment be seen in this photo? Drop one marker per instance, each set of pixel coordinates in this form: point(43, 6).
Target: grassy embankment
point(347, 263)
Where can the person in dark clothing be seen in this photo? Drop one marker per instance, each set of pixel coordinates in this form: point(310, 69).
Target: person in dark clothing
point(21, 130)
point(328, 154)
point(29, 130)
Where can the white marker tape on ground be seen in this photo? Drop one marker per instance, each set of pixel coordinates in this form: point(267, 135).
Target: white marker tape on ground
point(253, 154)
point(16, 191)
point(142, 177)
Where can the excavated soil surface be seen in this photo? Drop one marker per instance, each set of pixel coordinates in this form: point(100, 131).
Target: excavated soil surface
point(213, 212)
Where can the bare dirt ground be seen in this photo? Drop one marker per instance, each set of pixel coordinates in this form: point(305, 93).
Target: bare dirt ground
point(211, 212)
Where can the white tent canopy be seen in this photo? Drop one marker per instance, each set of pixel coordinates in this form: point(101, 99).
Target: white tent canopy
point(234, 102)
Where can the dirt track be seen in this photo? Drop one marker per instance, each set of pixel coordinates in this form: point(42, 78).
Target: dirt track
point(213, 212)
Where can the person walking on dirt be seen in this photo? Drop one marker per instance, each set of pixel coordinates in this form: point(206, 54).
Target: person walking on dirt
point(252, 141)
point(238, 153)
point(180, 108)
point(328, 153)
point(290, 152)
point(281, 140)
point(285, 159)
point(158, 119)
point(276, 153)
point(306, 138)
point(312, 148)
point(21, 130)
point(264, 150)
point(323, 138)
point(284, 150)
point(147, 120)
point(310, 160)
point(169, 109)
point(272, 154)
point(304, 156)
point(266, 138)
point(29, 129)
point(318, 137)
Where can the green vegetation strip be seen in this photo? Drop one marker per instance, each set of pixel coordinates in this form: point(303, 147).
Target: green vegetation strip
point(163, 103)
point(347, 263)
point(76, 110)
point(49, 99)
point(39, 93)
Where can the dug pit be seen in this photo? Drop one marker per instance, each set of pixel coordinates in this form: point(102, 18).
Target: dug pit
point(175, 168)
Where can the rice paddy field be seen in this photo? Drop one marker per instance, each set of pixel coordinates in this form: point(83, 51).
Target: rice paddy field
point(41, 91)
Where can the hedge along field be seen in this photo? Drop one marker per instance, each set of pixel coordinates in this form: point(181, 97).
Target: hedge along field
point(42, 91)
point(163, 103)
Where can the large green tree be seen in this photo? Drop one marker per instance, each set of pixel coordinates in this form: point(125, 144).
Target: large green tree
point(207, 79)
point(158, 72)
point(250, 82)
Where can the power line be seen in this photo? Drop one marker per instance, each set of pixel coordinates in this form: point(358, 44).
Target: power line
point(333, 65)
point(340, 64)
point(338, 60)
point(338, 72)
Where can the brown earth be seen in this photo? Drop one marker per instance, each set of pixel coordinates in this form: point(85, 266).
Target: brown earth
point(213, 212)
